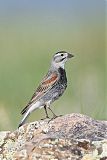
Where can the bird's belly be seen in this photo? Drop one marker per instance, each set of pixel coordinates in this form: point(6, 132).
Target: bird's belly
point(54, 93)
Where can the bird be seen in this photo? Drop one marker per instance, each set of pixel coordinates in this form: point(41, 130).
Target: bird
point(50, 88)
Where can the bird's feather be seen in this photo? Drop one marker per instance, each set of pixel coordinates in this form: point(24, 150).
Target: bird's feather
point(47, 83)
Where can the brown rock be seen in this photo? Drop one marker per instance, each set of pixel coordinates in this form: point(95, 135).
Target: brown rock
point(71, 137)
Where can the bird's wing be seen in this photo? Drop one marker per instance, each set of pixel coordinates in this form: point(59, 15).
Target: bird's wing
point(45, 86)
point(47, 83)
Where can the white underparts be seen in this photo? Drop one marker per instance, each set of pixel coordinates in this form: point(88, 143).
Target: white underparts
point(34, 106)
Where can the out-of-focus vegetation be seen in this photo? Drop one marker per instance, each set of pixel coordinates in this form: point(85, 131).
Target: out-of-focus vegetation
point(30, 33)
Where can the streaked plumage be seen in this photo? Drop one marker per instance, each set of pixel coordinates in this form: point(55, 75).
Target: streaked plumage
point(51, 87)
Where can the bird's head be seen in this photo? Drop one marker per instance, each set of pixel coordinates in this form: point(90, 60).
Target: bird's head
point(60, 58)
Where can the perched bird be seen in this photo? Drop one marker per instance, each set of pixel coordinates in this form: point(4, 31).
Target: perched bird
point(51, 87)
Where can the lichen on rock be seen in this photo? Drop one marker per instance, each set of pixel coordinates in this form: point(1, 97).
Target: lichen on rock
point(70, 137)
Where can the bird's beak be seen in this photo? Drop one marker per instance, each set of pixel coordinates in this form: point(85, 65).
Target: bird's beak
point(70, 55)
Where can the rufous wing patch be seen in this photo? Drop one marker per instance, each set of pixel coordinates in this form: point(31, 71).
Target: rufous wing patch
point(43, 87)
point(51, 80)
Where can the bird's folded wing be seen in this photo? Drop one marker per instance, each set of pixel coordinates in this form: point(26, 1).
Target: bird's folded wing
point(45, 86)
point(47, 83)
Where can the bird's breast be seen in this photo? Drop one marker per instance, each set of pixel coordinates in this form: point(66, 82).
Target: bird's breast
point(63, 78)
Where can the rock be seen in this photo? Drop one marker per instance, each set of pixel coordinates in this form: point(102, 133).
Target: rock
point(69, 137)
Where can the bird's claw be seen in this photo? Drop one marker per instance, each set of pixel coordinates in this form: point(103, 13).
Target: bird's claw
point(54, 117)
point(45, 118)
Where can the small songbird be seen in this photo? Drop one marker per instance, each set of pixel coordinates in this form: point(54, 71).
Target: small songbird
point(51, 87)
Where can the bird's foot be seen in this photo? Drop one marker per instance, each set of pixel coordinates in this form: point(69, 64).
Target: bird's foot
point(47, 117)
point(54, 117)
point(60, 115)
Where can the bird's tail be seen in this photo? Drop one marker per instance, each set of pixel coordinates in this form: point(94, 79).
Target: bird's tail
point(24, 118)
point(27, 110)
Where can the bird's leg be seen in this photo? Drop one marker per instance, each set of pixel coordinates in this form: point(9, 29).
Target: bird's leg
point(54, 115)
point(46, 112)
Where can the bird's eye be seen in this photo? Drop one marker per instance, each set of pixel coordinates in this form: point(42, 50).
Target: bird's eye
point(62, 55)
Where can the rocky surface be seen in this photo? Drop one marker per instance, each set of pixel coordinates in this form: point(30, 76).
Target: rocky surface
point(70, 137)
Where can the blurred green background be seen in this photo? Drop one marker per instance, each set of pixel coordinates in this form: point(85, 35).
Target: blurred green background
point(30, 33)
